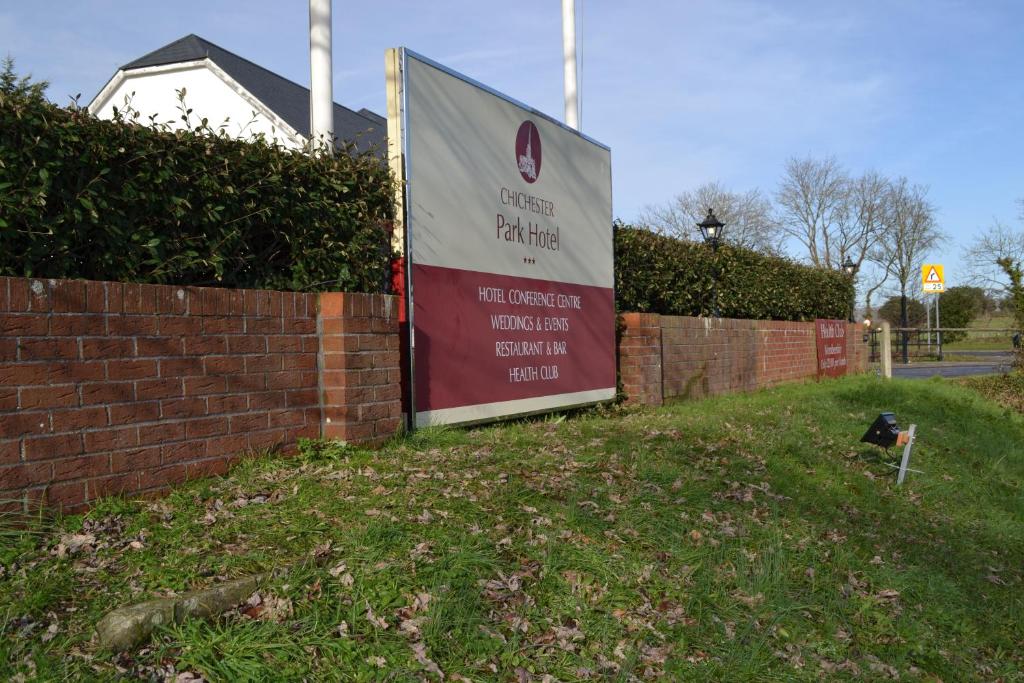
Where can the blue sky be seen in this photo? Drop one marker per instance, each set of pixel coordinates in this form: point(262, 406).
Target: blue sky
point(683, 92)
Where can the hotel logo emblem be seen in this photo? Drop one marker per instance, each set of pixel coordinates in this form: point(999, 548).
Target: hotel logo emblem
point(528, 151)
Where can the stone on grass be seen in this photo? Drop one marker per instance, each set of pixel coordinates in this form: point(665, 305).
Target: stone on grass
point(126, 627)
point(215, 600)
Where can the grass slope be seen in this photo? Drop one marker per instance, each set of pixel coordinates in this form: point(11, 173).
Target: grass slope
point(1006, 389)
point(741, 538)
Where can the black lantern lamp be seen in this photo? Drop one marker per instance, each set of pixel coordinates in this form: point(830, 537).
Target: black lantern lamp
point(711, 230)
point(850, 270)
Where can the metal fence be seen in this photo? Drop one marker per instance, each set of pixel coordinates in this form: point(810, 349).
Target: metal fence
point(913, 344)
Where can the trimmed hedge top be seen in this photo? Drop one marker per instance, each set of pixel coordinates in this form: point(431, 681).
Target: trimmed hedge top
point(659, 274)
point(86, 198)
point(107, 200)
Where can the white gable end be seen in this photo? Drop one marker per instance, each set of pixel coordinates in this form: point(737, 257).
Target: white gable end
point(209, 93)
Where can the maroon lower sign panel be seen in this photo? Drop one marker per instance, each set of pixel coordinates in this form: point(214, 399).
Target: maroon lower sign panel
point(487, 345)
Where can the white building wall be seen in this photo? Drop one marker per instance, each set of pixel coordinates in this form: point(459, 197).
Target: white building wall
point(208, 93)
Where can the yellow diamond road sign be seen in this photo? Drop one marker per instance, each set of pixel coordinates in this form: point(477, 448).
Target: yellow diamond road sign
point(932, 278)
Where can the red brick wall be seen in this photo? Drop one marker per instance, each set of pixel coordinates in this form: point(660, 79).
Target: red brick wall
point(118, 388)
point(858, 349)
point(361, 379)
point(640, 358)
point(787, 352)
point(664, 357)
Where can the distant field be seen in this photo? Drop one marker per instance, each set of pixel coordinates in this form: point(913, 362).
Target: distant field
point(983, 338)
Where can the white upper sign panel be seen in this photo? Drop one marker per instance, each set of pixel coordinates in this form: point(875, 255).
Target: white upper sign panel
point(496, 187)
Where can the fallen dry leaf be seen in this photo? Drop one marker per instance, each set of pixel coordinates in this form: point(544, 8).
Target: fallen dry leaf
point(340, 572)
point(51, 632)
point(71, 544)
point(419, 650)
point(411, 627)
point(425, 517)
point(275, 609)
point(379, 622)
point(748, 600)
point(421, 550)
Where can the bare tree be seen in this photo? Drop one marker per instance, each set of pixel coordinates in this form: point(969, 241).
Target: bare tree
point(835, 217)
point(878, 277)
point(812, 200)
point(999, 241)
point(863, 223)
point(747, 216)
point(860, 226)
point(909, 234)
point(872, 193)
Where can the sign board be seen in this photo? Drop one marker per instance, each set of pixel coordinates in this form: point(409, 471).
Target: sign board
point(508, 245)
point(933, 278)
point(831, 340)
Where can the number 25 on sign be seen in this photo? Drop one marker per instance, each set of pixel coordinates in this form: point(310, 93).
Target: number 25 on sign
point(932, 278)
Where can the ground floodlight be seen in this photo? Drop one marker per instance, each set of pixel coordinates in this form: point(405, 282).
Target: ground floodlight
point(885, 432)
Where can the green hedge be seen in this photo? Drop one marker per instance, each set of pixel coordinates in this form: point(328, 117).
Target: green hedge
point(659, 274)
point(86, 198)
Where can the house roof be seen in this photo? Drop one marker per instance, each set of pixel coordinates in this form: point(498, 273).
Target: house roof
point(287, 99)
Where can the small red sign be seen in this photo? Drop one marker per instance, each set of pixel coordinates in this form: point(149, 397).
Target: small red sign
point(831, 338)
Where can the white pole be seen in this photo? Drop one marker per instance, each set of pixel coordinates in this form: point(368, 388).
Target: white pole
point(928, 315)
point(572, 103)
point(321, 90)
point(938, 325)
point(885, 355)
point(905, 461)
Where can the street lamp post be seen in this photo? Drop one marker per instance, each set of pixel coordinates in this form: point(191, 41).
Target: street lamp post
point(850, 269)
point(711, 231)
